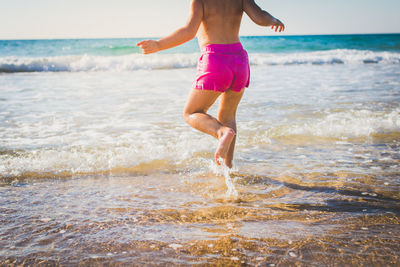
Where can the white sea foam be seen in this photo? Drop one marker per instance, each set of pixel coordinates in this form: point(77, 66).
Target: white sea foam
point(346, 124)
point(133, 62)
point(337, 56)
point(143, 151)
point(128, 154)
point(97, 63)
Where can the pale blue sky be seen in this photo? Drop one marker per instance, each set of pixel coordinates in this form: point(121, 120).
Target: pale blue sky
point(31, 19)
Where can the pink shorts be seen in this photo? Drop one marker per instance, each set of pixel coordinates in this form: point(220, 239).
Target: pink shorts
point(223, 67)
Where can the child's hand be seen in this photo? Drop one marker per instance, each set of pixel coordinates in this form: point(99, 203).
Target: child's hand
point(148, 46)
point(278, 25)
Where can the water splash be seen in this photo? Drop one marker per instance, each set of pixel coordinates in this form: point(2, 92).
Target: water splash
point(231, 192)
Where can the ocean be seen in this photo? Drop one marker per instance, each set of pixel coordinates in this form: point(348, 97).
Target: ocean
point(97, 165)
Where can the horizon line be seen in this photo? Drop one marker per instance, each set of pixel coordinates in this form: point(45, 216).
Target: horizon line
point(156, 37)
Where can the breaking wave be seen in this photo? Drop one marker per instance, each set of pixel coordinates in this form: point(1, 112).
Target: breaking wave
point(132, 62)
point(143, 152)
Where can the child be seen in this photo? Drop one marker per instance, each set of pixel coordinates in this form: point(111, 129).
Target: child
point(223, 67)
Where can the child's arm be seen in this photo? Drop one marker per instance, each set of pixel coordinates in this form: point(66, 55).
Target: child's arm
point(261, 17)
point(180, 36)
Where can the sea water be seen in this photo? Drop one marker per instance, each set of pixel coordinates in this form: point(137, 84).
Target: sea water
point(98, 166)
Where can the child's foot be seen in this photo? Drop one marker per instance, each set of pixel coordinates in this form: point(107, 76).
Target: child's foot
point(228, 163)
point(224, 143)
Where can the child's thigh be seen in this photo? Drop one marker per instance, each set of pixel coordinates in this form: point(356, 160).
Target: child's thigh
point(228, 105)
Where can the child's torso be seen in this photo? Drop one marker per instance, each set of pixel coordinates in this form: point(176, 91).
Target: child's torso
point(221, 22)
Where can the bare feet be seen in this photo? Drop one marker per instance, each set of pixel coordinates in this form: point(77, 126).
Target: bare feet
point(225, 140)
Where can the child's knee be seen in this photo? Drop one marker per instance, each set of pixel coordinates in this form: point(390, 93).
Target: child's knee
point(186, 114)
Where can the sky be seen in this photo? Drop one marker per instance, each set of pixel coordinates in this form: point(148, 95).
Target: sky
point(50, 19)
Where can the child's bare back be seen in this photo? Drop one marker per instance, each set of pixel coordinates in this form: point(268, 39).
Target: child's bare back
point(221, 22)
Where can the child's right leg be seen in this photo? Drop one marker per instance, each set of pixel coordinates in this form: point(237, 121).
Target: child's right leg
point(195, 114)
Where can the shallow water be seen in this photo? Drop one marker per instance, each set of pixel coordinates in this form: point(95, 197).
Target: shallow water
point(184, 218)
point(100, 168)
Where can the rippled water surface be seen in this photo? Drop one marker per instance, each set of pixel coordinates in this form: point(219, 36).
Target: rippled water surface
point(100, 168)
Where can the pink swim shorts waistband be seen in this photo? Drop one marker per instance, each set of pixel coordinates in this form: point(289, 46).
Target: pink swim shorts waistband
point(222, 48)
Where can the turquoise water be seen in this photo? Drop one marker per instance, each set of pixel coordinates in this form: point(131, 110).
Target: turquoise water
point(98, 167)
point(254, 44)
point(123, 54)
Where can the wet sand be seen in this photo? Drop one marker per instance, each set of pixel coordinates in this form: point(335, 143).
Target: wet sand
point(184, 219)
